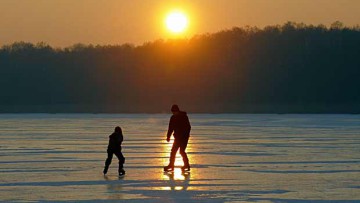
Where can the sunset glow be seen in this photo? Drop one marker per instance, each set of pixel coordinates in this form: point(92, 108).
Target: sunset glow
point(176, 22)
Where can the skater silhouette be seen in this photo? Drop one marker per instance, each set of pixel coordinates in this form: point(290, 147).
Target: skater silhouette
point(180, 125)
point(114, 147)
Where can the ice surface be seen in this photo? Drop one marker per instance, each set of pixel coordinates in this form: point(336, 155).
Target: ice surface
point(234, 157)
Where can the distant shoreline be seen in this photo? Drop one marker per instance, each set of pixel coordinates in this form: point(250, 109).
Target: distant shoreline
point(289, 69)
point(38, 109)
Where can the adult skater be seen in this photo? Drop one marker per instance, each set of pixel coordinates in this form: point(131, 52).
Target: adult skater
point(114, 147)
point(180, 125)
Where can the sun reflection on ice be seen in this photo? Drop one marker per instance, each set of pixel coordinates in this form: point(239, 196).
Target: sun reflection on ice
point(174, 175)
point(176, 179)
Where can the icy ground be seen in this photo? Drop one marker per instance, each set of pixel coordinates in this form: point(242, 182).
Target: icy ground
point(235, 158)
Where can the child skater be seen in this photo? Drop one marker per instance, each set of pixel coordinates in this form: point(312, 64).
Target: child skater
point(114, 147)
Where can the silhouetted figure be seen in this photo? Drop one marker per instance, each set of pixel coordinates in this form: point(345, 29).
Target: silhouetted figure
point(180, 125)
point(114, 147)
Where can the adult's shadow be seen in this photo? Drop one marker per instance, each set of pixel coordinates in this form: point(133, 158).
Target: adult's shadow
point(178, 180)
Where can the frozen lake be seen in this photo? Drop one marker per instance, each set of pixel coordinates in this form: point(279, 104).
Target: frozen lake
point(234, 157)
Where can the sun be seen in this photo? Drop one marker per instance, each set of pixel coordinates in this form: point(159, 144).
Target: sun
point(176, 22)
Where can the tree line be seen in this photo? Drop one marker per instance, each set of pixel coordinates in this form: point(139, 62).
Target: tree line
point(289, 68)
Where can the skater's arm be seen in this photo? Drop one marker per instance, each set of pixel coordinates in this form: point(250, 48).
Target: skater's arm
point(188, 125)
point(121, 139)
point(170, 129)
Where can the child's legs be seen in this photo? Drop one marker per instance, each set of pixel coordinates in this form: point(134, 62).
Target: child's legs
point(108, 161)
point(121, 158)
point(109, 158)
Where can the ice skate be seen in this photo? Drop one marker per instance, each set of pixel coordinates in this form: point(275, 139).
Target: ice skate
point(121, 172)
point(168, 168)
point(185, 168)
point(105, 170)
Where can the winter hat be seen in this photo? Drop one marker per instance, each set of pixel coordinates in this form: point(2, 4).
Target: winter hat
point(175, 108)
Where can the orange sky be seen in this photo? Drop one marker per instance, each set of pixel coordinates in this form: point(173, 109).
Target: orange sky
point(65, 22)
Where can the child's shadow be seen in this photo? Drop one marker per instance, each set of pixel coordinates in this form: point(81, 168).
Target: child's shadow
point(114, 187)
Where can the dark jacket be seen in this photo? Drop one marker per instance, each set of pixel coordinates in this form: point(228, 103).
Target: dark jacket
point(115, 141)
point(180, 125)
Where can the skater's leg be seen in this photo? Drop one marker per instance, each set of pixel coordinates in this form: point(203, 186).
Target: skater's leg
point(183, 146)
point(121, 159)
point(174, 149)
point(108, 161)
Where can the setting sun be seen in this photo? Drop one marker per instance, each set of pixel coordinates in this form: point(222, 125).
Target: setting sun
point(176, 22)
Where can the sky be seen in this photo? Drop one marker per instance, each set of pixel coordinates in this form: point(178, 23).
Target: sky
point(62, 23)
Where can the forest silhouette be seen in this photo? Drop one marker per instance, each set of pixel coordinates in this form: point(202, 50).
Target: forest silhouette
point(290, 68)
